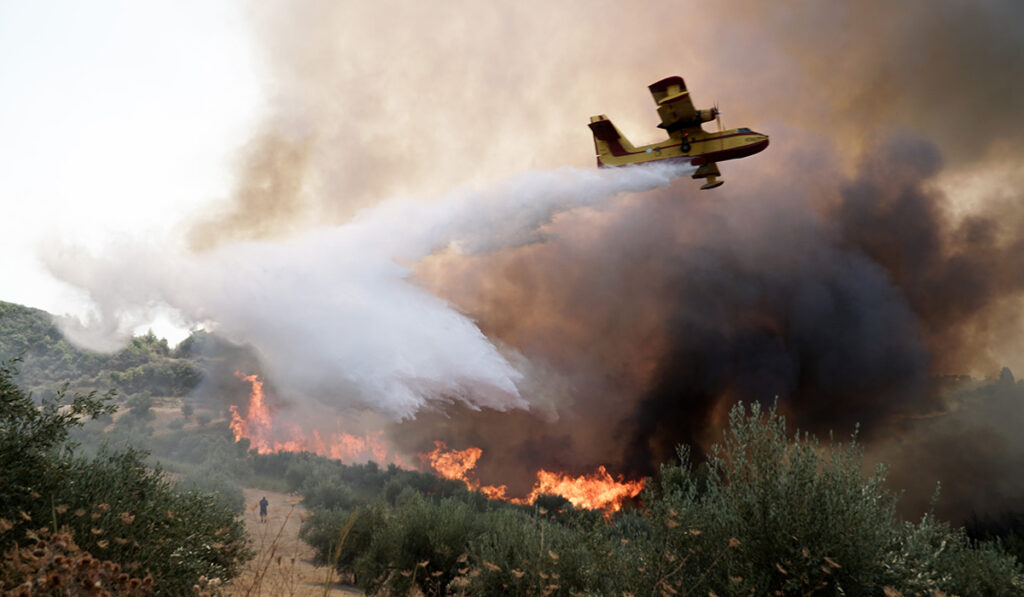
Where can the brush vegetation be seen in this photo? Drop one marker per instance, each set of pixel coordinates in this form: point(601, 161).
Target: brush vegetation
point(765, 513)
point(112, 506)
point(768, 513)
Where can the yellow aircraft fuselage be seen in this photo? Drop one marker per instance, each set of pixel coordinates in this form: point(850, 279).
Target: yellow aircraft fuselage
point(687, 142)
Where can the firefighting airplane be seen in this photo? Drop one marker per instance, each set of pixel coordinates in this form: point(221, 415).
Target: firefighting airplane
point(687, 142)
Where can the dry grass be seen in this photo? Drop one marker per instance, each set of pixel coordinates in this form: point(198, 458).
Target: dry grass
point(283, 564)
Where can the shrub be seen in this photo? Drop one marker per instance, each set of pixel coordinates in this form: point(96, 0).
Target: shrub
point(329, 494)
point(119, 509)
point(340, 536)
point(418, 544)
point(526, 553)
point(798, 508)
point(114, 505)
point(57, 566)
point(767, 514)
point(799, 517)
point(34, 449)
point(931, 557)
point(209, 480)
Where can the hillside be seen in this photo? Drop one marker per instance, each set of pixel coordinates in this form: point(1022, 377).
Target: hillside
point(147, 368)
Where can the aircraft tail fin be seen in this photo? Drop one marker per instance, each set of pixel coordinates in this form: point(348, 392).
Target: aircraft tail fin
point(611, 146)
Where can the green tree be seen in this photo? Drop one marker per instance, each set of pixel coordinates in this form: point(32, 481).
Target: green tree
point(116, 507)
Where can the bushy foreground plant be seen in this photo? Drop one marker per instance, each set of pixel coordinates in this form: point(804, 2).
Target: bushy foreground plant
point(803, 514)
point(53, 564)
point(767, 514)
point(802, 518)
point(218, 484)
point(114, 506)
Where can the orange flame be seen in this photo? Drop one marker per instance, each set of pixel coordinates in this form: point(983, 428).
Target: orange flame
point(596, 491)
point(256, 424)
point(453, 464)
point(268, 436)
point(457, 465)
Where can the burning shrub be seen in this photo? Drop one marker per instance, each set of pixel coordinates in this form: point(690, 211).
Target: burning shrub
point(768, 513)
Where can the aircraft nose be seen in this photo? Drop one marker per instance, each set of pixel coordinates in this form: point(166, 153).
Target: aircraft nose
point(761, 144)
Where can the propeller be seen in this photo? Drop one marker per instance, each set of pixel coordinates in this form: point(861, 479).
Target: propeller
point(718, 116)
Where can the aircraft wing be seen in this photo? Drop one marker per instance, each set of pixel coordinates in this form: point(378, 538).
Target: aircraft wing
point(674, 105)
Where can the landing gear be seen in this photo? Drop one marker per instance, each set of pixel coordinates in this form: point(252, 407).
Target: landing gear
point(686, 147)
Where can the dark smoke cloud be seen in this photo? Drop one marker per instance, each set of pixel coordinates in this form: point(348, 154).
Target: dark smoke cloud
point(956, 273)
point(839, 272)
point(974, 451)
point(843, 298)
point(896, 290)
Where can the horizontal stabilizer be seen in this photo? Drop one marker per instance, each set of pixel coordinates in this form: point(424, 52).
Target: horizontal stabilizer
point(608, 141)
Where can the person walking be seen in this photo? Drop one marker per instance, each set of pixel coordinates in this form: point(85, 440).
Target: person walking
point(263, 509)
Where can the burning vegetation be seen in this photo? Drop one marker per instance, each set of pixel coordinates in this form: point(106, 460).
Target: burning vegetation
point(267, 436)
point(595, 491)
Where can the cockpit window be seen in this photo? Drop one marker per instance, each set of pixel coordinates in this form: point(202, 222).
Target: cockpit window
point(744, 130)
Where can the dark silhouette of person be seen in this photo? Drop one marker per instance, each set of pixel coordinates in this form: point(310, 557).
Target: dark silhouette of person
point(263, 509)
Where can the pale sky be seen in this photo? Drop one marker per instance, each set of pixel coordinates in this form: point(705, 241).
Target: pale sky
point(116, 118)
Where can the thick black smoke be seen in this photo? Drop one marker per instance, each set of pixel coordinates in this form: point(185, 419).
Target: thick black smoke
point(802, 311)
point(894, 292)
point(843, 299)
point(956, 274)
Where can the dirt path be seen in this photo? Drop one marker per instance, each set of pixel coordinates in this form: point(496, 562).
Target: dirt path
point(283, 565)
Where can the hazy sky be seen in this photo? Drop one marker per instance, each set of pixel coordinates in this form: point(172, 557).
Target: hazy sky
point(116, 118)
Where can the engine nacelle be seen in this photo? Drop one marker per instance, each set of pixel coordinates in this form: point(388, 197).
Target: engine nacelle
point(707, 115)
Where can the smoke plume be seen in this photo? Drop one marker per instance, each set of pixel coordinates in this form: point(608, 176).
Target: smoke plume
point(843, 305)
point(335, 313)
point(873, 249)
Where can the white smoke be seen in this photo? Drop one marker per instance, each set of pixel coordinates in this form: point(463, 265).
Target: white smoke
point(337, 312)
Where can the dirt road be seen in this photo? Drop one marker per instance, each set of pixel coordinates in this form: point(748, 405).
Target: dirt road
point(283, 565)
